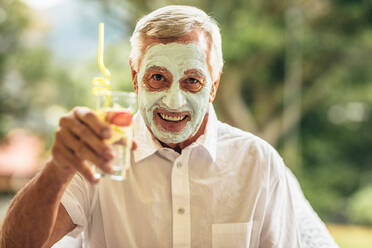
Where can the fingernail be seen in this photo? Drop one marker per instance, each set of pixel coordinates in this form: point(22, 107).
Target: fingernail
point(109, 168)
point(106, 133)
point(108, 154)
point(96, 178)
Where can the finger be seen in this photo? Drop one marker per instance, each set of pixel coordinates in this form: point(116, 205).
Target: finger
point(134, 145)
point(89, 118)
point(65, 157)
point(85, 134)
point(85, 170)
point(82, 150)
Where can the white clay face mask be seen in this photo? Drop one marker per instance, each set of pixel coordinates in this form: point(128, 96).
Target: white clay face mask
point(174, 114)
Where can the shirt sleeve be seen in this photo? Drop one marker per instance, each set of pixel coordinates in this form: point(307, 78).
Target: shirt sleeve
point(280, 227)
point(77, 201)
point(312, 230)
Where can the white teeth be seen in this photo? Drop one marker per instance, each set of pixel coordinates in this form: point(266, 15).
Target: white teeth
point(172, 118)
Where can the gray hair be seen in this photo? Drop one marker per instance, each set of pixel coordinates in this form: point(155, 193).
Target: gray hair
point(175, 21)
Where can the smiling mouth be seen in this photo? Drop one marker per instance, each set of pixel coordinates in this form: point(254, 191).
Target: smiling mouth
point(172, 118)
point(170, 121)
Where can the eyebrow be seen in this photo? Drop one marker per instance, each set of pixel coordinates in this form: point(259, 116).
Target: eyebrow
point(157, 68)
point(194, 72)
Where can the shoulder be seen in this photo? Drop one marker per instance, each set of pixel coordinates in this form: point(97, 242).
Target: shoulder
point(251, 150)
point(80, 192)
point(229, 135)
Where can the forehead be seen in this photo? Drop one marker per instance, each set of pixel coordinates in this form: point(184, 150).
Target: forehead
point(175, 54)
point(195, 42)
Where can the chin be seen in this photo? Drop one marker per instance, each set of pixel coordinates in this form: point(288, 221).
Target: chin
point(168, 137)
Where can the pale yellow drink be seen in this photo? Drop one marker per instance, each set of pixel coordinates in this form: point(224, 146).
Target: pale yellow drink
point(118, 113)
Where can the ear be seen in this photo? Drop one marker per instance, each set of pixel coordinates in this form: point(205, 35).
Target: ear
point(134, 76)
point(214, 88)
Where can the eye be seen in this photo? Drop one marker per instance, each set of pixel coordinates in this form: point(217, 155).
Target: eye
point(192, 80)
point(157, 77)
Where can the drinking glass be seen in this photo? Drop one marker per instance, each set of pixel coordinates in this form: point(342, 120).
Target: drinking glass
point(117, 108)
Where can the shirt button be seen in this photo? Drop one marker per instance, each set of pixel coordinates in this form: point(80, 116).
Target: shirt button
point(181, 211)
point(179, 165)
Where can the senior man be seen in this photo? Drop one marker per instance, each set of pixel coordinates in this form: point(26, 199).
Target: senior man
point(193, 181)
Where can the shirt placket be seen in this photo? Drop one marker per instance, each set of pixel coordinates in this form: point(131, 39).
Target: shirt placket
point(181, 202)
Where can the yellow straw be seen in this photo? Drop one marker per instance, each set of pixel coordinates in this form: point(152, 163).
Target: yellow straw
point(102, 85)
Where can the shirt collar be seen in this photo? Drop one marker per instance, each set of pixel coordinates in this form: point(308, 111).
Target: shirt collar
point(208, 140)
point(147, 145)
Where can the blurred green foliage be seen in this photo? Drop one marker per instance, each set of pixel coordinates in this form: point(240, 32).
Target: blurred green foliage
point(35, 90)
point(11, 27)
point(327, 44)
point(361, 205)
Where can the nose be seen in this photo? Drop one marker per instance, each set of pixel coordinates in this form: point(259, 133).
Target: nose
point(174, 99)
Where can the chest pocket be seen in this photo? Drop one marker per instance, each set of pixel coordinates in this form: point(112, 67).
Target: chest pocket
point(231, 235)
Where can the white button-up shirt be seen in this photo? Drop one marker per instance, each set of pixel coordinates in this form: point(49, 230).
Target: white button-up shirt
point(227, 189)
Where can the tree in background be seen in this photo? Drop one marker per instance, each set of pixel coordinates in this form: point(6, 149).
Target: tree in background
point(34, 89)
point(13, 22)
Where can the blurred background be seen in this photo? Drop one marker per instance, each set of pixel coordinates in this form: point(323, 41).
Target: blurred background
point(297, 73)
